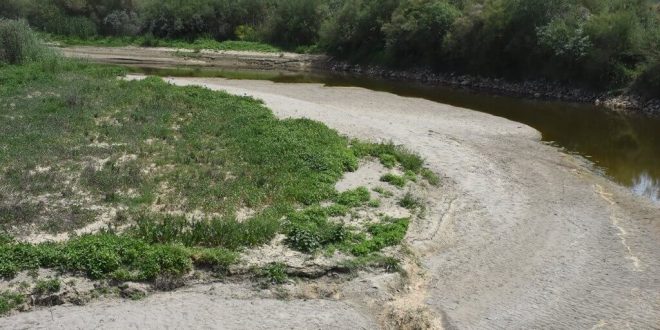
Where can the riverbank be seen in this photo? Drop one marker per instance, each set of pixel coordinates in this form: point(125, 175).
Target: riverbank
point(524, 235)
point(534, 89)
point(531, 89)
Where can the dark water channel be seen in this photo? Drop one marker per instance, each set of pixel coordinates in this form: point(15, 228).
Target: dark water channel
point(625, 147)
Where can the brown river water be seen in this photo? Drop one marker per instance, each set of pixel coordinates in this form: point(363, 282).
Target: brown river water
point(624, 147)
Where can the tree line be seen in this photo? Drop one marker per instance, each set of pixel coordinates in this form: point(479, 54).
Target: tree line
point(604, 44)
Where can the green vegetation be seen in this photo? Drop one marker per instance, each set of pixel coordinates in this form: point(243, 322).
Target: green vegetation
point(604, 44)
point(175, 164)
point(394, 179)
point(388, 233)
point(353, 198)
point(409, 201)
point(389, 155)
point(47, 286)
point(17, 44)
point(310, 230)
point(431, 177)
point(9, 301)
point(197, 44)
point(275, 273)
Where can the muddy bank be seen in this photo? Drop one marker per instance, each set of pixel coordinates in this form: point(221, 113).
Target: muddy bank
point(532, 89)
point(170, 57)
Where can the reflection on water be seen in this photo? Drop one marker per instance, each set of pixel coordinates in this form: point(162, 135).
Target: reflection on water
point(646, 186)
point(626, 147)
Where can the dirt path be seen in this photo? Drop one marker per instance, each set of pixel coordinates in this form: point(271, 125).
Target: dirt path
point(524, 236)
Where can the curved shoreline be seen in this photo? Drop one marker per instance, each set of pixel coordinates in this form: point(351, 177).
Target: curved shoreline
point(526, 235)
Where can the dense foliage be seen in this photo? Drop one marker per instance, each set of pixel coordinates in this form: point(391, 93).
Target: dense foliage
point(595, 43)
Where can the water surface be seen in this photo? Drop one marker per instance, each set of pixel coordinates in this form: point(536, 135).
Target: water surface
point(625, 147)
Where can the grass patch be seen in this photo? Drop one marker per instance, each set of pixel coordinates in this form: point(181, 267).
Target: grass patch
point(388, 233)
point(390, 155)
point(18, 44)
point(275, 273)
point(148, 41)
point(372, 261)
point(431, 177)
point(310, 230)
point(410, 202)
point(47, 286)
point(9, 301)
point(352, 198)
point(225, 233)
point(98, 256)
point(394, 179)
point(212, 150)
point(383, 192)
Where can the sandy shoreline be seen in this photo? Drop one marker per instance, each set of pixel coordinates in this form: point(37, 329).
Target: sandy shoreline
point(524, 236)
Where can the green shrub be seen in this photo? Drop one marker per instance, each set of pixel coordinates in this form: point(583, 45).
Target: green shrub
point(275, 273)
point(217, 259)
point(388, 233)
point(409, 201)
point(417, 30)
point(293, 23)
point(648, 82)
point(354, 29)
point(431, 177)
point(310, 230)
point(47, 286)
point(352, 198)
point(18, 44)
point(10, 300)
point(389, 153)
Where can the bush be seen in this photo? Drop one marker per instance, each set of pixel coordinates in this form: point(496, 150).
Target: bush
point(353, 198)
point(18, 44)
point(275, 273)
point(648, 82)
point(47, 286)
point(417, 30)
point(9, 301)
point(293, 23)
point(354, 29)
point(310, 230)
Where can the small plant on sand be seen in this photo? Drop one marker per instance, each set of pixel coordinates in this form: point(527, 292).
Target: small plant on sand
point(382, 191)
point(275, 273)
point(389, 155)
point(10, 300)
point(409, 201)
point(387, 233)
point(393, 179)
point(47, 286)
point(431, 177)
point(353, 198)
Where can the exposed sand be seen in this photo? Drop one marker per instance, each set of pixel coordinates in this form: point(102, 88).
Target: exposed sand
point(203, 307)
point(168, 57)
point(523, 236)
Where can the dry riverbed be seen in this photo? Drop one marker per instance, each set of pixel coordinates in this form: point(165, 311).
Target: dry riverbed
point(519, 235)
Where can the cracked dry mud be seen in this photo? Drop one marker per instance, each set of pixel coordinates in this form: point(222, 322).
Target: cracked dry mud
point(521, 235)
